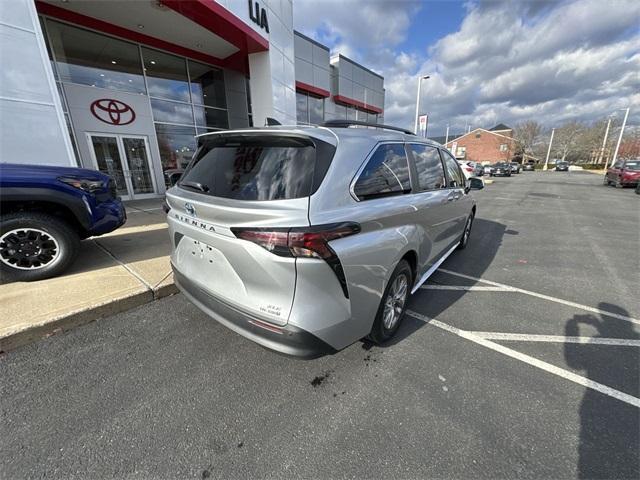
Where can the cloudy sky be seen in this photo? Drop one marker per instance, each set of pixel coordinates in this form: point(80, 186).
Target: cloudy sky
point(489, 62)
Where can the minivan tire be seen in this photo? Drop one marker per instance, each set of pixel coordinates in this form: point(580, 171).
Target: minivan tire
point(379, 332)
point(55, 229)
point(464, 240)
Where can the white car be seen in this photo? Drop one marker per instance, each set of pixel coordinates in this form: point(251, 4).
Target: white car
point(467, 168)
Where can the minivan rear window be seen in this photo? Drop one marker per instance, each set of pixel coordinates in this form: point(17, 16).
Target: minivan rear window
point(260, 168)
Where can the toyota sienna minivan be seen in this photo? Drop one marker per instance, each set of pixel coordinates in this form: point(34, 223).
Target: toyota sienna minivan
point(307, 239)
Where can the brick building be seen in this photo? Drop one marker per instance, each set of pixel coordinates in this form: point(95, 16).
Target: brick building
point(485, 146)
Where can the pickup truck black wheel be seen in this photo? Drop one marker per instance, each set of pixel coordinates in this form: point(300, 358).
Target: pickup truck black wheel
point(34, 246)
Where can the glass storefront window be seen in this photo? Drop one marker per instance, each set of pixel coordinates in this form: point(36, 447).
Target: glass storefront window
point(207, 85)
point(89, 58)
point(316, 110)
point(309, 109)
point(302, 110)
point(171, 112)
point(351, 113)
point(341, 112)
point(166, 75)
point(211, 117)
point(177, 145)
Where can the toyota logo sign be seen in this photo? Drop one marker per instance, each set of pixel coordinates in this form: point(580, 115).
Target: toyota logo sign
point(113, 112)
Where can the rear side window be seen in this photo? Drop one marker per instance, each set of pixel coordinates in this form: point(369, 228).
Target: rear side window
point(455, 179)
point(253, 169)
point(429, 167)
point(386, 173)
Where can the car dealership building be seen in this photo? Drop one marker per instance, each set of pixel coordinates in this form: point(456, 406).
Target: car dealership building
point(125, 86)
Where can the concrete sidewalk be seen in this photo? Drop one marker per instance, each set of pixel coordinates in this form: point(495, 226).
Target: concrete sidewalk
point(112, 273)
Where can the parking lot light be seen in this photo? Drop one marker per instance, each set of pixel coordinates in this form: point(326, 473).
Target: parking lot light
point(546, 162)
point(624, 123)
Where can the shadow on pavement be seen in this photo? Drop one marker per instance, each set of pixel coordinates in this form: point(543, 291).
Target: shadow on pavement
point(609, 428)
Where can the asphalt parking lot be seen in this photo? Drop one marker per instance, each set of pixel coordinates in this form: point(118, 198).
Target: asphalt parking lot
point(519, 358)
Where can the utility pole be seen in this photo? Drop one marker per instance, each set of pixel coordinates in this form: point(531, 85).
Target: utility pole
point(447, 137)
point(604, 142)
point(546, 162)
point(624, 123)
point(422, 77)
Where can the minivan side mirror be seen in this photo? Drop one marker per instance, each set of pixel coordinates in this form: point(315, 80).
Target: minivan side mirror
point(475, 184)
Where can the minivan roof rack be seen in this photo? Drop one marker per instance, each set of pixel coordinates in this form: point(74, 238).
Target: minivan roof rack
point(349, 123)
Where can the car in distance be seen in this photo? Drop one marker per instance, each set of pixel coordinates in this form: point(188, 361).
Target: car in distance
point(501, 169)
point(306, 239)
point(625, 173)
point(528, 166)
point(515, 167)
point(486, 169)
point(468, 168)
point(479, 170)
point(562, 166)
point(46, 211)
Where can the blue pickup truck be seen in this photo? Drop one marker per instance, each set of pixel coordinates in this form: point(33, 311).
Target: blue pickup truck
point(44, 213)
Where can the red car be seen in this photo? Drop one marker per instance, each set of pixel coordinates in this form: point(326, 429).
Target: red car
point(625, 173)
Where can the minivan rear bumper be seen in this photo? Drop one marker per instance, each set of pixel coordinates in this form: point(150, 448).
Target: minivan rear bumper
point(288, 340)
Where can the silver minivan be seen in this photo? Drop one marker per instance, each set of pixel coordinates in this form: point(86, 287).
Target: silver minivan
point(307, 239)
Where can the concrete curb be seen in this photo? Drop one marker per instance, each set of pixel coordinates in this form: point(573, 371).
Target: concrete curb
point(66, 322)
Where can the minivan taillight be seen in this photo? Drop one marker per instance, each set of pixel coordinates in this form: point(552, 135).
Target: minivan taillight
point(310, 242)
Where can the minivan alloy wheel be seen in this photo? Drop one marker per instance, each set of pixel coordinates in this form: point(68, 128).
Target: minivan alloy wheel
point(28, 248)
point(394, 303)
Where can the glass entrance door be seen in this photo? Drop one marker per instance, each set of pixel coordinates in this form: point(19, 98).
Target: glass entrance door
point(107, 157)
point(126, 159)
point(136, 153)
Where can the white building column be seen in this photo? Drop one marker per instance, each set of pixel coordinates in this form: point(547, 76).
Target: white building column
point(272, 73)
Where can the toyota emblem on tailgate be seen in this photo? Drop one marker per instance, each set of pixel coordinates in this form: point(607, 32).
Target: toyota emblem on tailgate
point(190, 209)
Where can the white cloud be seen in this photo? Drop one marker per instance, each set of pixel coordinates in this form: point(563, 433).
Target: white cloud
point(356, 23)
point(509, 61)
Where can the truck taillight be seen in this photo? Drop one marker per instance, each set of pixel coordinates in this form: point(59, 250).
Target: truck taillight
point(309, 242)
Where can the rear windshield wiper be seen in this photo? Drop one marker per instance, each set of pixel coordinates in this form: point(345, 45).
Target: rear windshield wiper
point(195, 185)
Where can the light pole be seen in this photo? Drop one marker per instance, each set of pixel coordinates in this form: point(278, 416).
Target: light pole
point(546, 162)
point(422, 77)
point(604, 142)
point(624, 123)
point(447, 137)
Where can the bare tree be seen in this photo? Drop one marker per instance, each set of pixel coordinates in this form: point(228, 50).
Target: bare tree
point(527, 135)
point(567, 139)
point(589, 142)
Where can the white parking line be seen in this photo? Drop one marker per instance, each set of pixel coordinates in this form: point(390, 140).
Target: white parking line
point(467, 288)
point(546, 297)
point(547, 367)
point(526, 337)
